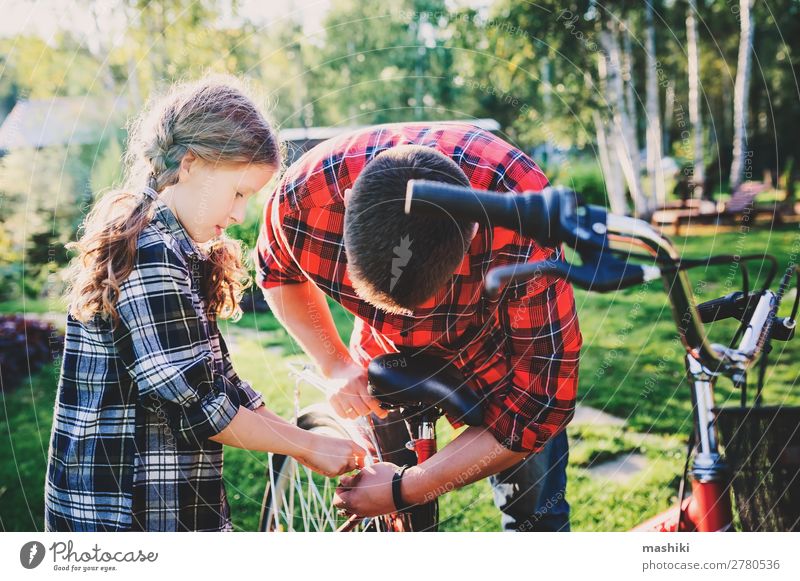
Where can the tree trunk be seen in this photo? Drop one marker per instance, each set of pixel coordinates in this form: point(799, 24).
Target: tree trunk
point(625, 150)
point(740, 98)
point(669, 111)
point(547, 100)
point(632, 112)
point(609, 163)
point(654, 134)
point(698, 171)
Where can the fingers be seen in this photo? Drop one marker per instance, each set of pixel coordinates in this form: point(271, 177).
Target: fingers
point(356, 458)
point(340, 499)
point(375, 407)
point(360, 405)
point(352, 458)
point(336, 404)
point(348, 405)
point(359, 455)
point(348, 482)
point(344, 406)
point(352, 464)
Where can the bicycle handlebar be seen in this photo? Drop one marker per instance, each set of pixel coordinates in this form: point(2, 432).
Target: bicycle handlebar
point(551, 217)
point(557, 216)
point(535, 215)
point(596, 277)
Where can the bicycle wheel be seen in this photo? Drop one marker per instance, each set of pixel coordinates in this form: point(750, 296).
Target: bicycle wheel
point(298, 499)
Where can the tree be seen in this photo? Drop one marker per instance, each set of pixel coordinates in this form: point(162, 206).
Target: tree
point(740, 98)
point(380, 63)
point(653, 120)
point(695, 116)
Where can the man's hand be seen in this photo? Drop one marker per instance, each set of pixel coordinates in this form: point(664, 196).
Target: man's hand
point(351, 398)
point(368, 493)
point(291, 304)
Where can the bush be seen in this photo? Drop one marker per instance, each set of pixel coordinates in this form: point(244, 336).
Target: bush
point(25, 346)
point(586, 178)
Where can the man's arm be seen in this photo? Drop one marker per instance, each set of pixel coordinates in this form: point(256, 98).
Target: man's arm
point(303, 310)
point(544, 354)
point(473, 455)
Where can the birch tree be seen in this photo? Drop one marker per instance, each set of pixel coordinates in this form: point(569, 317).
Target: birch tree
point(695, 118)
point(740, 95)
point(626, 151)
point(653, 133)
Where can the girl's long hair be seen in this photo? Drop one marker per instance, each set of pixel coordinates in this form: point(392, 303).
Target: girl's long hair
point(216, 121)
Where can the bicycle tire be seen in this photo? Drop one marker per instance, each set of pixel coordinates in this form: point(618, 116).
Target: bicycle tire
point(285, 476)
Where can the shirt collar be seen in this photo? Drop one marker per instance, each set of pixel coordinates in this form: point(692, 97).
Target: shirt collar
point(165, 216)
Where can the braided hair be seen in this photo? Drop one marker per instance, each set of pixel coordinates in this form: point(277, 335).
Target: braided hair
point(218, 122)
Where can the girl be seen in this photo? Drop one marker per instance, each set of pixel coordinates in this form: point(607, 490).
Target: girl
point(147, 395)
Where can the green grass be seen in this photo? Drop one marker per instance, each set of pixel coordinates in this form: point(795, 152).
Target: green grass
point(631, 367)
point(32, 306)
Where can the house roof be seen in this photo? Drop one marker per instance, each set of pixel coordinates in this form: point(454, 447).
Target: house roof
point(39, 123)
point(322, 133)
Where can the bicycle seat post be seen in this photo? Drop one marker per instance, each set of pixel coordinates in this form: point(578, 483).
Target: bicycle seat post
point(421, 422)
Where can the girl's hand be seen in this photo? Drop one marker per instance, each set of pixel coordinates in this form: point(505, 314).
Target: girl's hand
point(332, 456)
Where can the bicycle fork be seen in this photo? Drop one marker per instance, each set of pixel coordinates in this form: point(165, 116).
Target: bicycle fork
point(708, 508)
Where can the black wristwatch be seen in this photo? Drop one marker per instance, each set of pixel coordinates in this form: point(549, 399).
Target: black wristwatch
point(399, 504)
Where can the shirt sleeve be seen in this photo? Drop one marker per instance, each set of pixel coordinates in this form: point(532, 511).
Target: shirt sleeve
point(275, 263)
point(248, 397)
point(543, 342)
point(163, 344)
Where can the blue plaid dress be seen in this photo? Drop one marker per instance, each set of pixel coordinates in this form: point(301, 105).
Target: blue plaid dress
point(136, 404)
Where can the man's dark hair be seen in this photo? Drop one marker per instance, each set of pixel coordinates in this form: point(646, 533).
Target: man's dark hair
point(398, 261)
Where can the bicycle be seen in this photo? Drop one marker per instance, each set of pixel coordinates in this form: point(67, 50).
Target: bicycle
point(418, 389)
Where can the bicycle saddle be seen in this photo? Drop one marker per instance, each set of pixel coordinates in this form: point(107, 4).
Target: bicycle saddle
point(398, 379)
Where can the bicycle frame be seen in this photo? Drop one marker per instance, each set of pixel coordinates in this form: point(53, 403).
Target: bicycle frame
point(709, 507)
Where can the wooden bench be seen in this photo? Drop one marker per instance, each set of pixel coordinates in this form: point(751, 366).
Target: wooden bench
point(739, 209)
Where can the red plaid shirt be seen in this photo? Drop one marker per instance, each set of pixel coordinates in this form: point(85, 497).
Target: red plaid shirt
point(520, 351)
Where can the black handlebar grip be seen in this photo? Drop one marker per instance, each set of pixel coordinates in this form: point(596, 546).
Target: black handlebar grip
point(533, 214)
point(604, 276)
point(498, 277)
point(725, 307)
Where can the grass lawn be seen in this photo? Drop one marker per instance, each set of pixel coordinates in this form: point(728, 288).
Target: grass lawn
point(631, 367)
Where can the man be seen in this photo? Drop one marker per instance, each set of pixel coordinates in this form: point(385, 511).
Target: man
point(335, 226)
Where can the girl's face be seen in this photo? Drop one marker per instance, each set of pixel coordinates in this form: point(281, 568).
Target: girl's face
point(210, 197)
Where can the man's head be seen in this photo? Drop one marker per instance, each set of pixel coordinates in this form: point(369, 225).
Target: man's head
point(398, 261)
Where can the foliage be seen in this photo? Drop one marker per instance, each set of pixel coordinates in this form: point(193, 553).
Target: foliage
point(25, 346)
point(584, 176)
point(531, 66)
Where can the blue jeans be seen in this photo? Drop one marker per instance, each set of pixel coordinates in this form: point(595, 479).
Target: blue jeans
point(532, 494)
